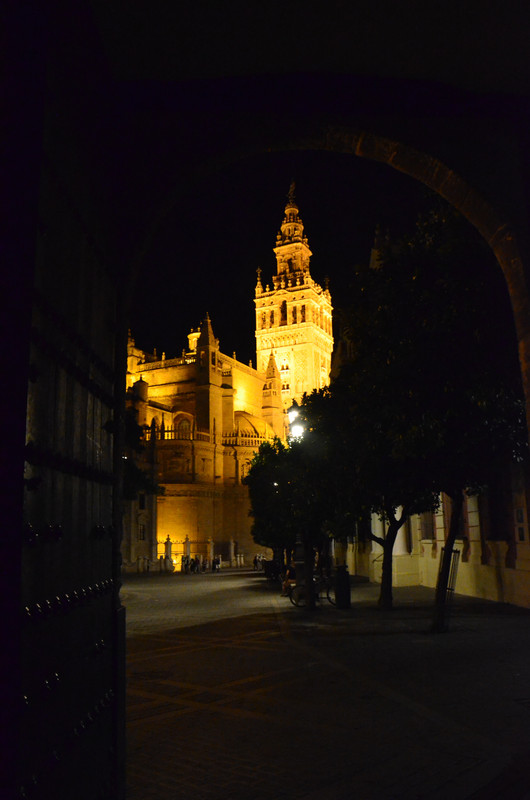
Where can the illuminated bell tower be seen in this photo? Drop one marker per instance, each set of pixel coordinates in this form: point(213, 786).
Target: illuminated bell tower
point(294, 318)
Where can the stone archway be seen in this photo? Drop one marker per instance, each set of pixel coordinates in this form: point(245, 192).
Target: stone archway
point(448, 184)
point(496, 231)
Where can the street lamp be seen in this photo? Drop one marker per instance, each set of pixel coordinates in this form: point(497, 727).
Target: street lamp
point(296, 432)
point(296, 429)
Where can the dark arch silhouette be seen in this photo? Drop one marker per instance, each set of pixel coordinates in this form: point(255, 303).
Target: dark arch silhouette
point(497, 231)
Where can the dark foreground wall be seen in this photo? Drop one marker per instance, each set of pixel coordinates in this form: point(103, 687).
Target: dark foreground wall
point(72, 626)
point(63, 626)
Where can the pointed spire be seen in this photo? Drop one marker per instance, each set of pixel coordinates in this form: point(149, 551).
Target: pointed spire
point(292, 248)
point(292, 229)
point(207, 337)
point(272, 406)
point(272, 367)
point(259, 287)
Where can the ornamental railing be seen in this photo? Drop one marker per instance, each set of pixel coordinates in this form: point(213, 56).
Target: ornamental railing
point(235, 439)
point(243, 440)
point(163, 433)
point(146, 366)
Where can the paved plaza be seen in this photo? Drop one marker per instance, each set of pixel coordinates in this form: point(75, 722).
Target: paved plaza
point(235, 693)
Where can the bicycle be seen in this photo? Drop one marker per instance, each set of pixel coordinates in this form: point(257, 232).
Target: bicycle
point(322, 587)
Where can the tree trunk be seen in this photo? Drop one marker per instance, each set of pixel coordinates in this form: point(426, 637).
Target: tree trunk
point(385, 595)
point(439, 624)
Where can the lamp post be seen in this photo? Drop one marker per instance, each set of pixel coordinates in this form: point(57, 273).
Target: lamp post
point(302, 551)
point(296, 432)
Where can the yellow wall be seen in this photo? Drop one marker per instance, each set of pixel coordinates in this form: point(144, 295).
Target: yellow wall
point(496, 580)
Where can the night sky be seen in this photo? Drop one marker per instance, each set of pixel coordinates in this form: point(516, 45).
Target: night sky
point(187, 79)
point(204, 258)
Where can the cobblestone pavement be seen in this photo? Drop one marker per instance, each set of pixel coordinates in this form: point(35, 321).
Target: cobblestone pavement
point(233, 692)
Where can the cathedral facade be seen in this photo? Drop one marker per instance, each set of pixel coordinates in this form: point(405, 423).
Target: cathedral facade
point(204, 415)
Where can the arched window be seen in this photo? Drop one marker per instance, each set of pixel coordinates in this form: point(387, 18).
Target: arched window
point(183, 429)
point(283, 313)
point(272, 318)
point(294, 315)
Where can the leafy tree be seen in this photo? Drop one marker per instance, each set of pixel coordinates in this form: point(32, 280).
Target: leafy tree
point(431, 385)
point(313, 495)
point(289, 502)
point(474, 414)
point(138, 468)
point(373, 462)
point(270, 491)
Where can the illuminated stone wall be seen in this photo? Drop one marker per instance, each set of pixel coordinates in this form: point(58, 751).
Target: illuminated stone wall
point(209, 517)
point(494, 550)
point(294, 317)
point(205, 414)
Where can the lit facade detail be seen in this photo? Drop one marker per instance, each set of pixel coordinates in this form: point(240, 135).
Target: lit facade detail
point(294, 318)
point(204, 414)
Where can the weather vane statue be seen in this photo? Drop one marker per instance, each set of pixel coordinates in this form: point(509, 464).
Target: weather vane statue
point(290, 196)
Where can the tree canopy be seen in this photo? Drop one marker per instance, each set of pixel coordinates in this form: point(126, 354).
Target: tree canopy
point(138, 466)
point(431, 383)
point(288, 495)
point(270, 491)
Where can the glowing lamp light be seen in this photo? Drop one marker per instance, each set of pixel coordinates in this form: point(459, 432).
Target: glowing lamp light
point(296, 429)
point(292, 414)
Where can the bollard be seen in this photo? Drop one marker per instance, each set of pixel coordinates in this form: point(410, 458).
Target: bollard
point(342, 587)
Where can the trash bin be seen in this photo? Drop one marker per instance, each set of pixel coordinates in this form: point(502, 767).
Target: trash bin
point(342, 587)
